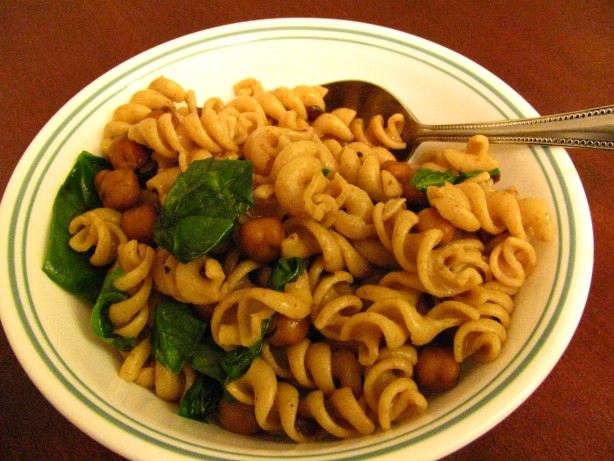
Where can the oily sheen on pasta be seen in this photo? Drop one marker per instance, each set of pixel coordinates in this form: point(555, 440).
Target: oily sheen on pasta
point(391, 268)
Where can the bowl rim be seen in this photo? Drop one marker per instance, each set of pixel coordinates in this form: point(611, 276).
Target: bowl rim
point(575, 202)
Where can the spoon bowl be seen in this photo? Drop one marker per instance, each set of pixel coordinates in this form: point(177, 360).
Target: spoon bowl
point(589, 128)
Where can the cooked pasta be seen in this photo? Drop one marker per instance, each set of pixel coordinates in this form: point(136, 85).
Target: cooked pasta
point(335, 346)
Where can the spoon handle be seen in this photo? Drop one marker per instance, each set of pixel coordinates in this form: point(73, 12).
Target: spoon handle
point(590, 128)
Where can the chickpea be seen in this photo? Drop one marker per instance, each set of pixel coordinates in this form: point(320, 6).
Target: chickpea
point(260, 238)
point(429, 218)
point(118, 189)
point(128, 154)
point(238, 417)
point(416, 200)
point(138, 222)
point(436, 369)
point(287, 331)
point(404, 172)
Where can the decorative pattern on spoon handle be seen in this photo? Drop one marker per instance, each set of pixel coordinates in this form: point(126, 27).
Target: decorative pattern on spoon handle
point(591, 128)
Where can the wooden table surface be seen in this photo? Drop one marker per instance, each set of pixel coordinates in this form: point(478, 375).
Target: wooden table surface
point(558, 54)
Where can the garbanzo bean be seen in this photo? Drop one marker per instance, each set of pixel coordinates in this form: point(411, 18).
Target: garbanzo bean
point(138, 222)
point(128, 154)
point(118, 189)
point(238, 417)
point(287, 331)
point(429, 218)
point(260, 238)
point(436, 369)
point(402, 171)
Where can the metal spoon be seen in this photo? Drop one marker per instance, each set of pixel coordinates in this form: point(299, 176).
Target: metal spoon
point(590, 128)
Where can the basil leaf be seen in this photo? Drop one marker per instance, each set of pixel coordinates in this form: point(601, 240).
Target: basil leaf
point(424, 178)
point(201, 399)
point(285, 271)
point(177, 333)
point(100, 322)
point(68, 268)
point(203, 206)
point(207, 360)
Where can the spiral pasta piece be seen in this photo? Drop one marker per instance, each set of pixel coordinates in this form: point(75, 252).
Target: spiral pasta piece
point(301, 188)
point(335, 125)
point(481, 338)
point(453, 268)
point(162, 182)
point(162, 93)
point(492, 299)
point(238, 317)
point(394, 321)
point(258, 387)
point(198, 282)
point(160, 135)
point(348, 418)
point(389, 390)
point(130, 316)
point(512, 261)
point(361, 165)
point(133, 367)
point(314, 365)
point(334, 303)
point(221, 131)
point(99, 228)
point(536, 219)
point(171, 386)
point(380, 132)
point(264, 145)
point(385, 215)
point(354, 218)
point(471, 206)
point(300, 98)
point(475, 157)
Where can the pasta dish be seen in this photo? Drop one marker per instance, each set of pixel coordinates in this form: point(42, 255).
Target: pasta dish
point(271, 266)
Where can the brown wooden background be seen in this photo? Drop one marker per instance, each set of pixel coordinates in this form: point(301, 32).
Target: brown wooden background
point(558, 54)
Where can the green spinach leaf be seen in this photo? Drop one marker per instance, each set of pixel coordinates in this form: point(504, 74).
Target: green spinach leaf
point(100, 322)
point(70, 269)
point(177, 333)
point(203, 206)
point(207, 360)
point(285, 271)
point(235, 363)
point(425, 177)
point(223, 366)
point(201, 399)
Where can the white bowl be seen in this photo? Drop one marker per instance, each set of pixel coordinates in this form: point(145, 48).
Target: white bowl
point(49, 330)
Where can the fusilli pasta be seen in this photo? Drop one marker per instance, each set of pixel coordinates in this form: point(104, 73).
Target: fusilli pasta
point(378, 282)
